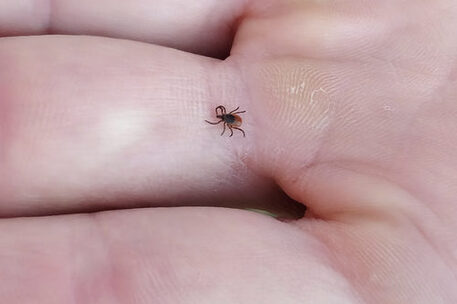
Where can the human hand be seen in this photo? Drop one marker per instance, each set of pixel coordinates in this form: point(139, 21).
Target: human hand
point(350, 111)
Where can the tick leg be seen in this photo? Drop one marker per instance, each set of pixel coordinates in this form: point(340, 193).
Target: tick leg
point(214, 123)
point(234, 110)
point(239, 112)
point(224, 129)
point(244, 134)
point(231, 131)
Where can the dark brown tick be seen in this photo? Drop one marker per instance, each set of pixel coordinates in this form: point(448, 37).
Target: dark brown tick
point(231, 120)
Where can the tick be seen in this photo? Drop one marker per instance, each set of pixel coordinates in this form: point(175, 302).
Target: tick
point(231, 120)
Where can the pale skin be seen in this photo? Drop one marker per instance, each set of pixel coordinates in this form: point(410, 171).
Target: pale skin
point(351, 110)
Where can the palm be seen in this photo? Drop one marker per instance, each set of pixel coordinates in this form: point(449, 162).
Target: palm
point(352, 115)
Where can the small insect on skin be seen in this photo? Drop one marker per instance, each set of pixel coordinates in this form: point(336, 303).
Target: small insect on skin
point(231, 120)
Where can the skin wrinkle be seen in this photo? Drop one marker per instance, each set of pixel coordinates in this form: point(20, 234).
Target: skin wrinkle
point(358, 168)
point(293, 110)
point(398, 66)
point(446, 256)
point(250, 158)
point(250, 162)
point(409, 132)
point(112, 275)
point(82, 293)
point(334, 260)
point(327, 132)
point(336, 229)
point(119, 275)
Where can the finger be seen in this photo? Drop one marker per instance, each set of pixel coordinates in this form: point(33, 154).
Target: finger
point(203, 27)
point(212, 255)
point(147, 256)
point(89, 123)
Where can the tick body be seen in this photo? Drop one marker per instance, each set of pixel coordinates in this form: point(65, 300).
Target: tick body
point(231, 120)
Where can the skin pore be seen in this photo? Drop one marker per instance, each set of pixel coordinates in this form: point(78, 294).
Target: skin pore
point(350, 111)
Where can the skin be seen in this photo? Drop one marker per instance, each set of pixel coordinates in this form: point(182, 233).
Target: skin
point(351, 110)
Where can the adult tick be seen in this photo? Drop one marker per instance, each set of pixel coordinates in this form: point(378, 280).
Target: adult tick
point(231, 120)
